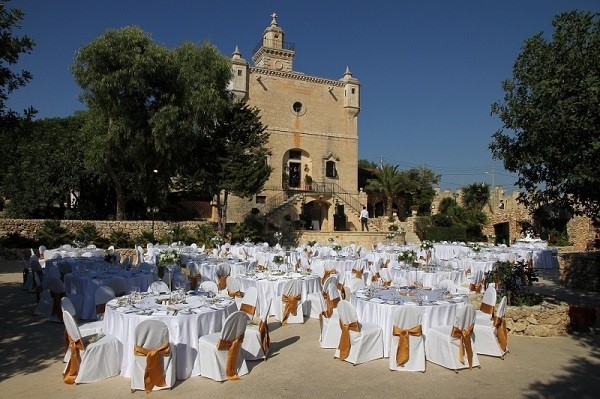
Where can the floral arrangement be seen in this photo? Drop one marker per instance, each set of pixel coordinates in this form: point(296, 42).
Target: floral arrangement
point(247, 240)
point(475, 247)
point(393, 227)
point(168, 258)
point(426, 245)
point(216, 240)
point(336, 247)
point(278, 259)
point(330, 239)
point(391, 235)
point(312, 243)
point(407, 256)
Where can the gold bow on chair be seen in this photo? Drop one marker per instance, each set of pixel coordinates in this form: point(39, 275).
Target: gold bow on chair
point(475, 287)
point(291, 306)
point(236, 294)
point(403, 350)
point(222, 282)
point(501, 332)
point(248, 309)
point(72, 369)
point(386, 283)
point(154, 375)
point(358, 273)
point(375, 277)
point(385, 264)
point(233, 352)
point(465, 343)
point(340, 287)
point(344, 345)
point(326, 274)
point(485, 308)
point(265, 340)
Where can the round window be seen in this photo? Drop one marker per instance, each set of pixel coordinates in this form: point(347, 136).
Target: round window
point(297, 107)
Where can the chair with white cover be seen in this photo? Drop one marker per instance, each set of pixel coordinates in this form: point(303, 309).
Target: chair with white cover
point(57, 292)
point(103, 295)
point(180, 280)
point(90, 361)
point(222, 271)
point(476, 282)
point(139, 255)
point(386, 277)
point(407, 350)
point(147, 267)
point(288, 306)
point(159, 287)
point(154, 357)
point(256, 339)
point(220, 353)
point(209, 286)
point(234, 290)
point(488, 302)
point(451, 287)
point(195, 275)
point(355, 284)
point(491, 336)
point(314, 298)
point(448, 345)
point(329, 320)
point(44, 299)
point(359, 342)
point(85, 329)
point(249, 302)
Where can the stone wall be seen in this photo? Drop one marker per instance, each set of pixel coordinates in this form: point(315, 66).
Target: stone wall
point(29, 227)
point(544, 320)
point(580, 270)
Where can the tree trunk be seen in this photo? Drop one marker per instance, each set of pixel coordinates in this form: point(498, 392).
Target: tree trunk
point(389, 204)
point(222, 207)
point(120, 213)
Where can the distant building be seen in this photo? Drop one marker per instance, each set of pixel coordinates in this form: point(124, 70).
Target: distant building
point(313, 127)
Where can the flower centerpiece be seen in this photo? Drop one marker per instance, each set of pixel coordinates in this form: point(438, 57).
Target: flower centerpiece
point(407, 256)
point(426, 245)
point(168, 259)
point(336, 247)
point(330, 239)
point(217, 241)
point(278, 259)
point(247, 240)
point(390, 236)
point(475, 247)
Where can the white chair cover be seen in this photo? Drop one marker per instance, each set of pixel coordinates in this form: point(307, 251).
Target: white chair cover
point(180, 280)
point(314, 299)
point(209, 286)
point(159, 287)
point(234, 291)
point(214, 360)
point(291, 289)
point(408, 318)
point(330, 326)
point(99, 360)
point(249, 302)
point(366, 344)
point(152, 335)
point(443, 349)
point(256, 340)
point(102, 296)
point(488, 302)
point(491, 337)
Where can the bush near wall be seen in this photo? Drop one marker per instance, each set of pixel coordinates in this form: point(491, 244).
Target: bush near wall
point(439, 233)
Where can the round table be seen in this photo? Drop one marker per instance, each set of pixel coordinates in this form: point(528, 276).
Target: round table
point(271, 287)
point(380, 309)
point(194, 319)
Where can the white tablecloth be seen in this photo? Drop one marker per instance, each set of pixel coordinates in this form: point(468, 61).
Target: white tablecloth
point(184, 331)
point(86, 284)
point(429, 279)
point(382, 313)
point(272, 288)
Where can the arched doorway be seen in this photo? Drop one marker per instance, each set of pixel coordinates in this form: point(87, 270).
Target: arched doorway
point(315, 214)
point(502, 233)
point(297, 166)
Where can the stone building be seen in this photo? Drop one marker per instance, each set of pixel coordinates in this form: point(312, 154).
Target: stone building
point(313, 127)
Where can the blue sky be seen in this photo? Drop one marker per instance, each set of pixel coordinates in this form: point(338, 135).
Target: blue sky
point(429, 70)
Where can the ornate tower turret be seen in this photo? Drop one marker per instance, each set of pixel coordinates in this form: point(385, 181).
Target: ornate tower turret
point(273, 52)
point(239, 82)
point(351, 93)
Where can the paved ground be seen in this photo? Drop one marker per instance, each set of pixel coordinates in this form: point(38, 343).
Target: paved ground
point(566, 367)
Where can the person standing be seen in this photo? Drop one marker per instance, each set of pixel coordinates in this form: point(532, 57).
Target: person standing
point(364, 219)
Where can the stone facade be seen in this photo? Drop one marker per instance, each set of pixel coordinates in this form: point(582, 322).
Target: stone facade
point(313, 128)
point(580, 270)
point(544, 320)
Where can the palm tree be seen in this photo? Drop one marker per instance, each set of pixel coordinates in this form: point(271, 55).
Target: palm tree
point(386, 185)
point(476, 196)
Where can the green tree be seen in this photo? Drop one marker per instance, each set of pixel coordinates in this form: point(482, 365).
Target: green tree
point(366, 164)
point(552, 106)
point(386, 185)
point(235, 163)
point(475, 196)
point(148, 106)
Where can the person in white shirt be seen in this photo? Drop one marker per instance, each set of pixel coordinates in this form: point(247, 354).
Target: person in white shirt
point(364, 219)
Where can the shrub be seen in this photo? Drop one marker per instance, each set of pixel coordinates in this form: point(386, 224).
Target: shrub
point(203, 234)
point(53, 235)
point(440, 233)
point(120, 239)
point(88, 234)
point(145, 237)
point(512, 280)
point(251, 227)
point(16, 240)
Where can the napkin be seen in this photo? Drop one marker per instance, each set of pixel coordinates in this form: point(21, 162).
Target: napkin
point(377, 300)
point(410, 303)
point(442, 302)
point(160, 313)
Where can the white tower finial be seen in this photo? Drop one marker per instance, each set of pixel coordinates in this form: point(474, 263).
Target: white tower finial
point(274, 19)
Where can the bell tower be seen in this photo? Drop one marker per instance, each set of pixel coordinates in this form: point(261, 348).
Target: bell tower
point(273, 52)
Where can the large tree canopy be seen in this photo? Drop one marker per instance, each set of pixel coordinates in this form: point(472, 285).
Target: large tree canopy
point(552, 107)
point(148, 106)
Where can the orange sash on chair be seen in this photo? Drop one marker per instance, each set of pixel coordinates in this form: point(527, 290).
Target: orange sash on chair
point(501, 332)
point(386, 283)
point(340, 287)
point(344, 345)
point(248, 309)
point(265, 340)
point(385, 264)
point(291, 306)
point(100, 308)
point(73, 366)
point(194, 281)
point(222, 282)
point(236, 294)
point(327, 274)
point(476, 288)
point(154, 375)
point(465, 343)
point(403, 350)
point(261, 268)
point(485, 308)
point(358, 273)
point(233, 352)
point(375, 277)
